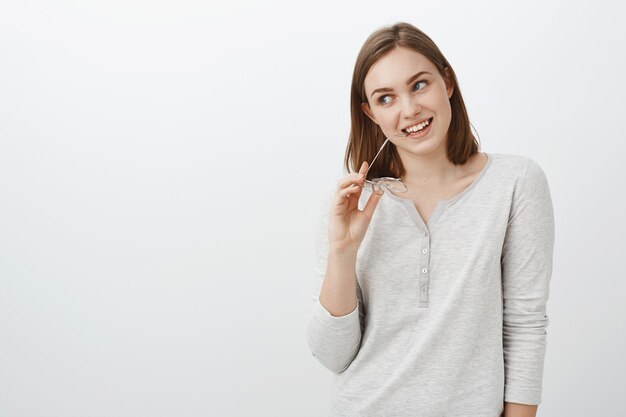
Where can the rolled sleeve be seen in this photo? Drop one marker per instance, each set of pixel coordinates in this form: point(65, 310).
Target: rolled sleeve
point(526, 272)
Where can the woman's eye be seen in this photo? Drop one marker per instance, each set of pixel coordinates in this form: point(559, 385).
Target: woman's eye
point(421, 82)
point(381, 99)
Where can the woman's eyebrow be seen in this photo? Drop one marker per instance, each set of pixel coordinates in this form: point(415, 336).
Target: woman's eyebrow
point(407, 83)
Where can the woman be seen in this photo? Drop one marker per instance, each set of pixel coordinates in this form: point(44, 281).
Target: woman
point(431, 300)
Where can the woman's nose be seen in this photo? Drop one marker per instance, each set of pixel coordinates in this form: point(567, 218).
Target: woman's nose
point(410, 106)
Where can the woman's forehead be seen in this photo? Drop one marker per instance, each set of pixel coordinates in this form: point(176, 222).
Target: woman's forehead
point(396, 67)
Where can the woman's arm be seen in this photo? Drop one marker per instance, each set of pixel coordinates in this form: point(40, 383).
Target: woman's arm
point(526, 272)
point(335, 323)
point(519, 410)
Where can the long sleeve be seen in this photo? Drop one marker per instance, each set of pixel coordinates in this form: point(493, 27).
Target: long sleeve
point(334, 341)
point(526, 272)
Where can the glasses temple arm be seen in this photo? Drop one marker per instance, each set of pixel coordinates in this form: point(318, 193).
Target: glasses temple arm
point(381, 148)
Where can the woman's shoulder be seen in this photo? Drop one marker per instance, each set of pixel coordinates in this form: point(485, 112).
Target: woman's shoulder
point(520, 171)
point(516, 165)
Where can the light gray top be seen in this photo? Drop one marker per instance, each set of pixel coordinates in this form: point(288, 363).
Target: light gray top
point(451, 315)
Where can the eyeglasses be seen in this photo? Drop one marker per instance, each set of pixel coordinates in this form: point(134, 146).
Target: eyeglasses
point(376, 184)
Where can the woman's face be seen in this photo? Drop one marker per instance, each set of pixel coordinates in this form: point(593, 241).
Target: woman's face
point(400, 104)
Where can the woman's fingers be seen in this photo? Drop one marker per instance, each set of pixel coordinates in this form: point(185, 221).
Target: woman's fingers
point(353, 178)
point(348, 180)
point(349, 190)
point(364, 168)
point(371, 204)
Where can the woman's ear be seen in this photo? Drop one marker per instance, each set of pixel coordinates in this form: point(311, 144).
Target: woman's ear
point(448, 81)
point(366, 109)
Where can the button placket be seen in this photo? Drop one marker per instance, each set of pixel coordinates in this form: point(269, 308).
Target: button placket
point(424, 270)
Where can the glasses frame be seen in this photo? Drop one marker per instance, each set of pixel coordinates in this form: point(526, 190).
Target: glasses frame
point(376, 183)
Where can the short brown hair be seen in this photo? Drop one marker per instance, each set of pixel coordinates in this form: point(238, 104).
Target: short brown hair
point(366, 137)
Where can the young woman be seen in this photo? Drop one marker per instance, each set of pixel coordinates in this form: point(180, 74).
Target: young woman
point(434, 262)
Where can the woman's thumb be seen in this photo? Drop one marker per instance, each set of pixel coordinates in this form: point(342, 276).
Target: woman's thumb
point(371, 204)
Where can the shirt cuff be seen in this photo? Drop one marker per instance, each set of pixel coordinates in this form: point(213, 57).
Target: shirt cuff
point(520, 395)
point(347, 322)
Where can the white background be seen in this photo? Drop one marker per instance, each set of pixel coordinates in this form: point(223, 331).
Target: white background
point(162, 166)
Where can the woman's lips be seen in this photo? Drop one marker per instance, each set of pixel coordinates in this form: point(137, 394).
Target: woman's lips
point(422, 132)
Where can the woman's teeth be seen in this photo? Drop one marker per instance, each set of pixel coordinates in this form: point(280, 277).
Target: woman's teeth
point(418, 127)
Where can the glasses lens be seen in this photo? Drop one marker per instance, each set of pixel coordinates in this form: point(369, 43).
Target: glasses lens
point(367, 185)
point(394, 185)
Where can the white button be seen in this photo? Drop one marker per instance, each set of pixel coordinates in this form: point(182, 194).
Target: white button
point(423, 288)
point(425, 233)
point(424, 270)
point(424, 250)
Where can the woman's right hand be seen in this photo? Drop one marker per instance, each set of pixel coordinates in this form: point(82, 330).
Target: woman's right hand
point(347, 224)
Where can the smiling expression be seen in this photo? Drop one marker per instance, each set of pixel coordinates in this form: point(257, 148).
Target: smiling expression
point(405, 89)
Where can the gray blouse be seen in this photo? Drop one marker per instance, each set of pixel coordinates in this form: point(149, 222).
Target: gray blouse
point(451, 315)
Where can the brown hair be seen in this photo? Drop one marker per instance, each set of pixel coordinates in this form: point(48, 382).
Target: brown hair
point(366, 137)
